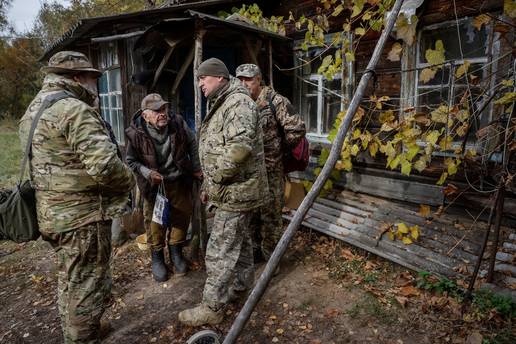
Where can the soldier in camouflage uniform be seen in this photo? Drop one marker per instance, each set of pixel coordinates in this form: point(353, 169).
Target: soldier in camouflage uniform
point(282, 130)
point(231, 154)
point(81, 185)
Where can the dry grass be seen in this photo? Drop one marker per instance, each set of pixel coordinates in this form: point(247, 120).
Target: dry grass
point(10, 152)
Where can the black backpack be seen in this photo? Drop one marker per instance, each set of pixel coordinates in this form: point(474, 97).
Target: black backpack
point(18, 219)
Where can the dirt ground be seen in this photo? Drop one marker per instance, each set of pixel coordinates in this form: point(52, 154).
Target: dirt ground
point(325, 293)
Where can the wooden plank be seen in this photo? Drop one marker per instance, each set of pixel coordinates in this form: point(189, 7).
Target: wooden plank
point(172, 45)
point(183, 69)
point(402, 190)
point(321, 202)
point(384, 249)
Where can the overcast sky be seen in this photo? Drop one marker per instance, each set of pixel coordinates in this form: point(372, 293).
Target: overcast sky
point(23, 12)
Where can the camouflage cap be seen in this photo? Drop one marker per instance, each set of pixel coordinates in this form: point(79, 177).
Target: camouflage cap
point(69, 62)
point(248, 70)
point(153, 101)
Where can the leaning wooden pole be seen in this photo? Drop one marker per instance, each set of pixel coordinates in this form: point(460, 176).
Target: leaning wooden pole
point(336, 148)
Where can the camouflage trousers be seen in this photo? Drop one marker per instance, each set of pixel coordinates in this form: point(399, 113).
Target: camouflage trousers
point(267, 223)
point(179, 194)
point(229, 257)
point(84, 279)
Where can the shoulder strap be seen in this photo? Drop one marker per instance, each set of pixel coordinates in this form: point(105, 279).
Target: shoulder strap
point(47, 102)
point(271, 104)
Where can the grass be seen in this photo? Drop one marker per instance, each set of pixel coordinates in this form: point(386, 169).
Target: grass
point(10, 153)
point(369, 306)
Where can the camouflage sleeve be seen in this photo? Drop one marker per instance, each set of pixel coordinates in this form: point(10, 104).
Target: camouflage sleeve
point(292, 124)
point(193, 148)
point(240, 123)
point(85, 132)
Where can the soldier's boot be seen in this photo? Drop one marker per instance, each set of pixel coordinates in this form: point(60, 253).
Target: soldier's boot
point(159, 269)
point(176, 256)
point(201, 315)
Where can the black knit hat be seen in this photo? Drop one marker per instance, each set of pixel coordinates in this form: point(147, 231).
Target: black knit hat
point(213, 67)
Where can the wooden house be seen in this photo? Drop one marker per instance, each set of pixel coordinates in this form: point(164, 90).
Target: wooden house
point(158, 50)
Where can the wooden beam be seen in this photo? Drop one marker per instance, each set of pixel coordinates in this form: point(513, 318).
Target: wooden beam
point(172, 45)
point(253, 53)
point(182, 70)
point(199, 34)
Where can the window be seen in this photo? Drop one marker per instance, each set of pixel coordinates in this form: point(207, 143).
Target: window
point(445, 88)
point(317, 98)
point(110, 90)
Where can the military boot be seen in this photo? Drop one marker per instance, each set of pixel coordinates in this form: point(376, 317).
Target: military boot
point(159, 269)
point(201, 315)
point(176, 257)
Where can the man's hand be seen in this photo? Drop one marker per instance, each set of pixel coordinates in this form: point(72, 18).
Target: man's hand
point(198, 174)
point(204, 197)
point(155, 177)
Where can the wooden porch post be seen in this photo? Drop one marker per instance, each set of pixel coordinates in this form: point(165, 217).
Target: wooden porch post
point(199, 226)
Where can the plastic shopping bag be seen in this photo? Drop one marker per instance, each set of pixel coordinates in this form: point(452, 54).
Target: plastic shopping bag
point(161, 212)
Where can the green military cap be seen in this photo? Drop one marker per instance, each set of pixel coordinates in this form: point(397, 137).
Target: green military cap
point(69, 62)
point(153, 101)
point(248, 70)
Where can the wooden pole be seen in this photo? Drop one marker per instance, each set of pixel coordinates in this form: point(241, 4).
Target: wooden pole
point(296, 221)
point(200, 238)
point(497, 225)
point(182, 70)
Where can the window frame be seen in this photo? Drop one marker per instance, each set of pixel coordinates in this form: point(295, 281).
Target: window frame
point(453, 64)
point(319, 136)
point(109, 55)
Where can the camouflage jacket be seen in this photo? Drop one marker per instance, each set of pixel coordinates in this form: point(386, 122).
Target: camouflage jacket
point(231, 151)
point(78, 177)
point(282, 127)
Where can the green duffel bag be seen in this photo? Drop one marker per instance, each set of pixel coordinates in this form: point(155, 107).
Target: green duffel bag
point(18, 218)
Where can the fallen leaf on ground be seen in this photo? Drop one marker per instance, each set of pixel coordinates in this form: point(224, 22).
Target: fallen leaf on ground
point(409, 291)
point(474, 338)
point(424, 210)
point(402, 300)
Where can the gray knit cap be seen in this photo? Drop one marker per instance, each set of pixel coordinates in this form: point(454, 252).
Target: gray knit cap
point(213, 67)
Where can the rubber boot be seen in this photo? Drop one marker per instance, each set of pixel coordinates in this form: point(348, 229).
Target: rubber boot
point(176, 256)
point(159, 269)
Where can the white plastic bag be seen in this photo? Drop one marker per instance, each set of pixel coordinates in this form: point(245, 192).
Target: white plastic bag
point(161, 212)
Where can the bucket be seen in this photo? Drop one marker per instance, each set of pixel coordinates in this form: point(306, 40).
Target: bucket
point(141, 241)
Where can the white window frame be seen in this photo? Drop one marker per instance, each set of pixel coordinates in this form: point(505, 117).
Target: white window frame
point(456, 62)
point(319, 136)
point(108, 62)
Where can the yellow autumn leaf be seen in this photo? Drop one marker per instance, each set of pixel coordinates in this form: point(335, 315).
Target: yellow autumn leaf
point(462, 69)
point(414, 232)
point(395, 52)
point(433, 136)
point(462, 130)
point(440, 115)
point(347, 165)
point(402, 228)
point(462, 115)
point(427, 74)
point(436, 56)
point(406, 167)
point(470, 153)
point(442, 178)
point(424, 210)
point(337, 10)
point(389, 126)
point(350, 56)
point(452, 165)
point(412, 151)
point(406, 240)
point(386, 116)
point(390, 234)
point(357, 8)
point(356, 134)
point(446, 143)
point(373, 149)
point(480, 20)
point(360, 31)
point(388, 149)
point(420, 165)
point(509, 8)
point(508, 83)
point(355, 149)
point(392, 163)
